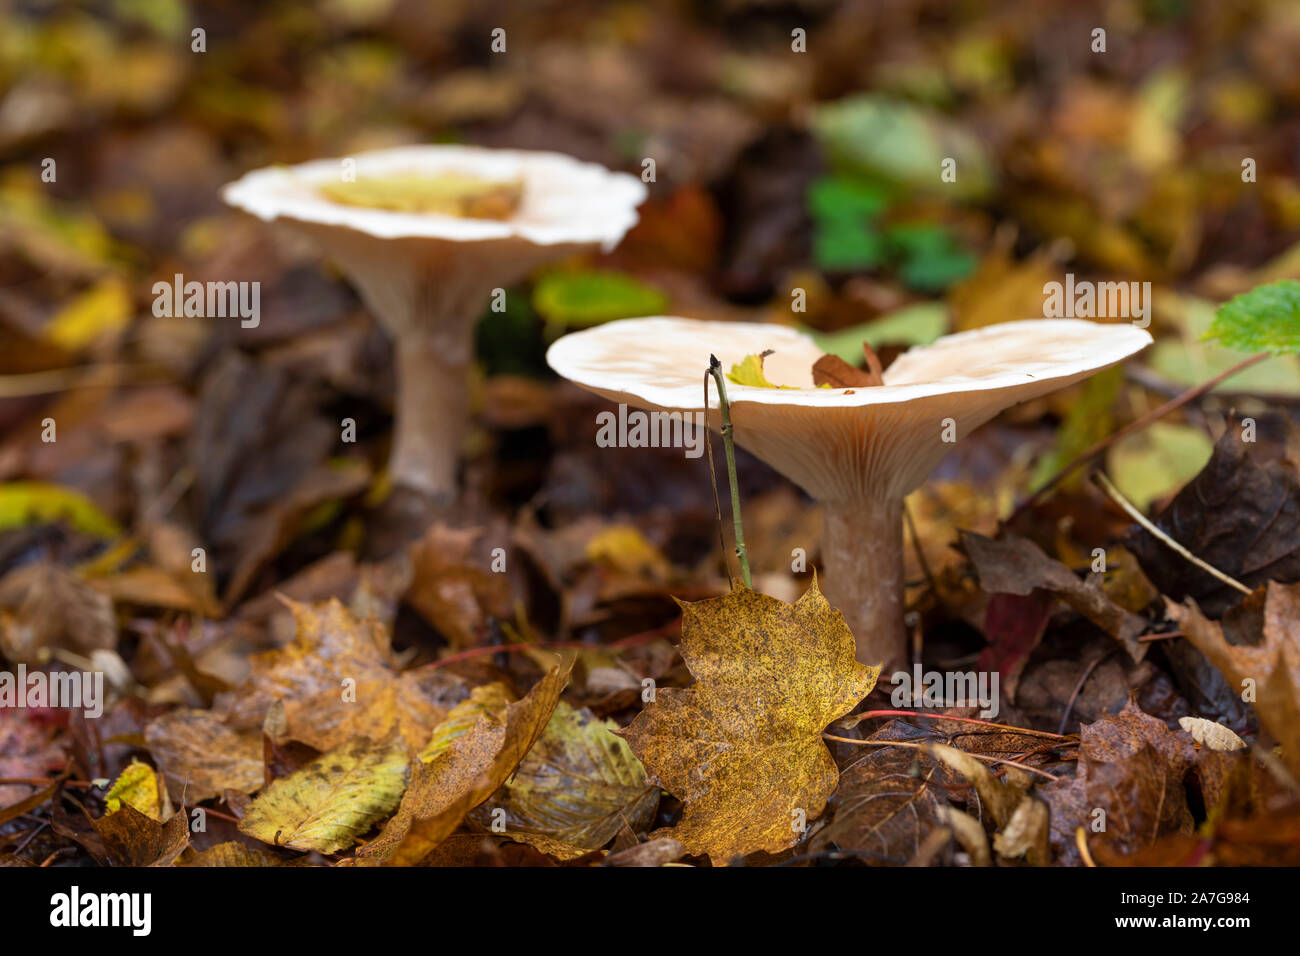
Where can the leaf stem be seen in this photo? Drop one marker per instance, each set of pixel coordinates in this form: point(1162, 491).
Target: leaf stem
point(729, 444)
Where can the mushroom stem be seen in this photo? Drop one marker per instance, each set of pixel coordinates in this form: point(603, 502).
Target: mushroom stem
point(862, 551)
point(432, 407)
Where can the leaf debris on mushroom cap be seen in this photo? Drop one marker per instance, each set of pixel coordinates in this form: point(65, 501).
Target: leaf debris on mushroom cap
point(563, 200)
point(842, 444)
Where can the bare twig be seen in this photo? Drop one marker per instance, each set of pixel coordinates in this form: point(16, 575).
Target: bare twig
point(1145, 522)
point(918, 746)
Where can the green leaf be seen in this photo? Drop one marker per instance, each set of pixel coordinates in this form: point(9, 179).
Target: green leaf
point(24, 503)
point(1265, 319)
point(1190, 358)
point(844, 235)
point(932, 260)
point(1157, 461)
point(840, 197)
point(874, 135)
point(590, 298)
point(841, 245)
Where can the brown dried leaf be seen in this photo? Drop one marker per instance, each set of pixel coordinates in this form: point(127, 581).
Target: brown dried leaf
point(1272, 667)
point(42, 607)
point(1241, 514)
point(338, 680)
point(1131, 766)
point(834, 371)
point(132, 839)
point(200, 757)
point(1015, 565)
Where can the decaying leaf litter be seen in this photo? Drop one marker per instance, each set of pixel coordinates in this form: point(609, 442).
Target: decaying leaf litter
point(558, 669)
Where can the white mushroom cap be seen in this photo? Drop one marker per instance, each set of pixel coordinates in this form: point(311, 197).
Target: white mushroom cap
point(564, 200)
point(842, 444)
point(427, 276)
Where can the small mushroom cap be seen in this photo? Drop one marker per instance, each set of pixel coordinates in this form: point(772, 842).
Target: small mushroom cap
point(564, 200)
point(842, 444)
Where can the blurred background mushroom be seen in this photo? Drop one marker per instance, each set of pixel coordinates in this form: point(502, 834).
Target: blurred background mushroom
point(857, 450)
point(426, 233)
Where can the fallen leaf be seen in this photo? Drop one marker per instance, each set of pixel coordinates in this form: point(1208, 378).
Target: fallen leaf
point(1272, 668)
point(750, 372)
point(467, 772)
point(200, 757)
point(1015, 565)
point(136, 786)
point(1129, 782)
point(452, 586)
point(132, 839)
point(338, 680)
point(230, 854)
point(1241, 514)
point(578, 786)
point(492, 699)
point(655, 852)
point(837, 373)
point(1211, 734)
point(884, 805)
point(49, 608)
point(742, 747)
point(336, 798)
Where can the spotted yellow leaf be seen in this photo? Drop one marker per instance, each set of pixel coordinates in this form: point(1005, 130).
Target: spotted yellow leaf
point(337, 797)
point(742, 746)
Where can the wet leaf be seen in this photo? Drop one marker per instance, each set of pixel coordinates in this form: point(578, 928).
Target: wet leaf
point(1015, 565)
point(742, 747)
point(1241, 514)
point(1128, 788)
point(200, 757)
point(336, 798)
point(338, 680)
point(577, 788)
point(1269, 672)
point(466, 772)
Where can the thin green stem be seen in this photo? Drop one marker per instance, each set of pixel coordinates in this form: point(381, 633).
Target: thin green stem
point(729, 444)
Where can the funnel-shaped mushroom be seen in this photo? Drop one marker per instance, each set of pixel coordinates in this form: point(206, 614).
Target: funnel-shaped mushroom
point(426, 233)
point(858, 451)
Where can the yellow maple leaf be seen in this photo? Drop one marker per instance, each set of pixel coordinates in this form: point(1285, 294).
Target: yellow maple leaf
point(742, 747)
